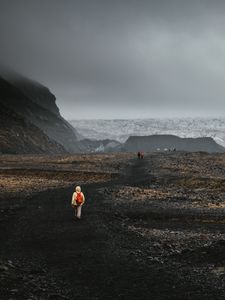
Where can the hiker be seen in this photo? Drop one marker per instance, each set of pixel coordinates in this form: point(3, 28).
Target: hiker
point(78, 200)
point(142, 155)
point(139, 154)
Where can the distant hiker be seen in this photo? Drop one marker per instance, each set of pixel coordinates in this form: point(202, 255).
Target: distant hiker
point(139, 154)
point(142, 155)
point(78, 200)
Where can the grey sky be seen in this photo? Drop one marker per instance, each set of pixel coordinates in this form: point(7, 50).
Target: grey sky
point(120, 59)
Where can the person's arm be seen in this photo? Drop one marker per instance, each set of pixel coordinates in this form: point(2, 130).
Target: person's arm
point(73, 199)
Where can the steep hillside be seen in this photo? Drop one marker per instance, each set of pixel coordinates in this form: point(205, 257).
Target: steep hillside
point(160, 142)
point(18, 136)
point(37, 105)
point(35, 91)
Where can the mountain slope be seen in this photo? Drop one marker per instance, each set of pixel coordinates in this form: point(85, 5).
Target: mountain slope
point(35, 91)
point(37, 105)
point(18, 136)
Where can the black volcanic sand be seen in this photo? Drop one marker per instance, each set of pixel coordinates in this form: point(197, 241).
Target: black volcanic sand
point(47, 254)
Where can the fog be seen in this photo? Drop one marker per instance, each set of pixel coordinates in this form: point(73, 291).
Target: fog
point(122, 58)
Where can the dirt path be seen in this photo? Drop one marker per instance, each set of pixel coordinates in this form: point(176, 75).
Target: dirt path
point(52, 256)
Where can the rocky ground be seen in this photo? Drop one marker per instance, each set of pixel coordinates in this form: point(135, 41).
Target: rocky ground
point(151, 228)
point(27, 175)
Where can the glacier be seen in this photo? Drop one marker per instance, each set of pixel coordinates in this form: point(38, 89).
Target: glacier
point(121, 129)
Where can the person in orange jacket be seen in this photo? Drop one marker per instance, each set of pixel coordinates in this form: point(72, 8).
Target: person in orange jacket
point(78, 200)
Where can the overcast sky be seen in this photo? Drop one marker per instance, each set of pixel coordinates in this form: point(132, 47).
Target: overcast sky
point(120, 58)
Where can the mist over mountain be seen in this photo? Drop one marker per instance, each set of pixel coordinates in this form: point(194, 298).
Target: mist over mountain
point(121, 58)
point(35, 104)
point(32, 89)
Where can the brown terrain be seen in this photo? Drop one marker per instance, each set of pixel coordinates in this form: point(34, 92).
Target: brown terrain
point(150, 229)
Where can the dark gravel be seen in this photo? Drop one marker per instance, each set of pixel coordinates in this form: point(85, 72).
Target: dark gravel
point(47, 254)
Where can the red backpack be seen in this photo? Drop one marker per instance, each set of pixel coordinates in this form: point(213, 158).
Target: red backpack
point(79, 198)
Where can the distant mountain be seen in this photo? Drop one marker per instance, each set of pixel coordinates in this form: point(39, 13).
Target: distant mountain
point(36, 104)
point(166, 142)
point(19, 136)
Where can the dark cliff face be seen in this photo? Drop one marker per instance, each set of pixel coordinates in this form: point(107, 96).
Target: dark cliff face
point(161, 142)
point(19, 136)
point(36, 104)
point(37, 93)
point(32, 89)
